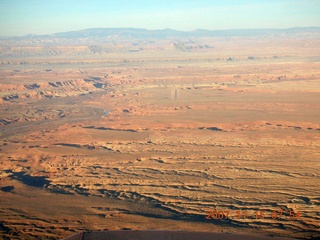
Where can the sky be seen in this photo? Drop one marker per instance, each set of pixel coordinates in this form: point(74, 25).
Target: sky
point(22, 17)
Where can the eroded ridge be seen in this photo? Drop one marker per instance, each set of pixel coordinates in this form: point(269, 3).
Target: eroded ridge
point(160, 142)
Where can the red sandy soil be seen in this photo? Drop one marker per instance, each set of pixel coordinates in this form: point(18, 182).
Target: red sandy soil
point(162, 139)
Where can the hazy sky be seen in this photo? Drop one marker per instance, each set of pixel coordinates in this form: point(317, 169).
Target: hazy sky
point(21, 17)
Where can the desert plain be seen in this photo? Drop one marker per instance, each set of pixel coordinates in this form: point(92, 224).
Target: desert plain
point(159, 134)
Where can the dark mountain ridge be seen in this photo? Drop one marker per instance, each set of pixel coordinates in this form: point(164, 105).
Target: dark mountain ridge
point(140, 33)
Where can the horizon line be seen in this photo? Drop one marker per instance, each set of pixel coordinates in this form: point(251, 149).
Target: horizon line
point(162, 29)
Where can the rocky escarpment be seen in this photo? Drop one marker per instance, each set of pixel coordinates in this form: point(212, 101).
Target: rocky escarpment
point(50, 89)
point(44, 101)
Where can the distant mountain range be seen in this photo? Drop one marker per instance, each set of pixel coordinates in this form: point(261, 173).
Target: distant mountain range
point(136, 33)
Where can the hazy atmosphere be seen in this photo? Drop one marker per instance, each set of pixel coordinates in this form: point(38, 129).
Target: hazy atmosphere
point(19, 17)
point(160, 119)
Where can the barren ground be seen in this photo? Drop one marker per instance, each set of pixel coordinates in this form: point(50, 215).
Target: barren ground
point(154, 139)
